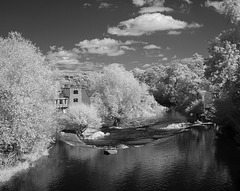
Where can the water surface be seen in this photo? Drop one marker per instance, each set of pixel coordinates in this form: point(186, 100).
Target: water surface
point(191, 160)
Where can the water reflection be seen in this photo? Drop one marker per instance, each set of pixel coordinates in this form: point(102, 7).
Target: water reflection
point(192, 160)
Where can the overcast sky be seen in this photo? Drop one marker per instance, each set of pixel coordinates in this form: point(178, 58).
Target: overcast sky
point(89, 34)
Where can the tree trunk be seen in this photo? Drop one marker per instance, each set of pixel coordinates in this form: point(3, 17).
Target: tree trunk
point(116, 122)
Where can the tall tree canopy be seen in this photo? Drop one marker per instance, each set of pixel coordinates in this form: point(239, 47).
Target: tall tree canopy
point(118, 95)
point(223, 62)
point(232, 9)
point(222, 69)
point(27, 90)
point(178, 83)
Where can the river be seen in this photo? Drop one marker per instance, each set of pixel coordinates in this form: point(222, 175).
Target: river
point(189, 160)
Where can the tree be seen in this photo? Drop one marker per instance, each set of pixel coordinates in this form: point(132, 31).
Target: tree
point(118, 95)
point(232, 9)
point(81, 118)
point(223, 62)
point(27, 90)
point(178, 83)
point(222, 69)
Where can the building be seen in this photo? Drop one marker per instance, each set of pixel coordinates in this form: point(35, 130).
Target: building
point(71, 96)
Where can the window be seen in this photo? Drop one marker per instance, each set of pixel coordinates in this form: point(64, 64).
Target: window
point(75, 100)
point(75, 91)
point(61, 101)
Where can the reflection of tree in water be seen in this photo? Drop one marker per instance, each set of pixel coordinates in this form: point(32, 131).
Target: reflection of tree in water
point(197, 145)
point(228, 155)
point(198, 148)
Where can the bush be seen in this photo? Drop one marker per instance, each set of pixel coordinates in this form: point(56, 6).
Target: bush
point(83, 115)
point(195, 110)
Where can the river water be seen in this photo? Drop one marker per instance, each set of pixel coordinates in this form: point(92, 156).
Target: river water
point(189, 160)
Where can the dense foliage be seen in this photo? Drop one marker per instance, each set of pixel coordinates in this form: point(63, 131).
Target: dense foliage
point(27, 90)
point(178, 84)
point(81, 117)
point(118, 95)
point(232, 9)
point(223, 62)
point(222, 69)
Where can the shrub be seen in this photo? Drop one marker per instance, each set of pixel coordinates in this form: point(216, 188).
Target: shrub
point(195, 110)
point(84, 115)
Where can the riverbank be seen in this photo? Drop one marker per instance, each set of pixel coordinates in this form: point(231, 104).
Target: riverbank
point(30, 161)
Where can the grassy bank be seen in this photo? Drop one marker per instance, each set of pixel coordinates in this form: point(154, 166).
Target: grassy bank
point(29, 161)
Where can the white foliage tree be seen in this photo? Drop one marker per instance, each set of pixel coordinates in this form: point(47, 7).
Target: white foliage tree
point(118, 95)
point(85, 116)
point(232, 9)
point(27, 87)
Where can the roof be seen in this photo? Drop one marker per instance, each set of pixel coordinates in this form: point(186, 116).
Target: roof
point(63, 95)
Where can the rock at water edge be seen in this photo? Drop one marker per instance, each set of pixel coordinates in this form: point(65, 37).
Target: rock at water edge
point(110, 152)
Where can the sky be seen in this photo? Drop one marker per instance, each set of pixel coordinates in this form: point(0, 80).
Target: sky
point(83, 35)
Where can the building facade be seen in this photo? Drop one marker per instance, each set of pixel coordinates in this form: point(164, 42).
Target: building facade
point(71, 96)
